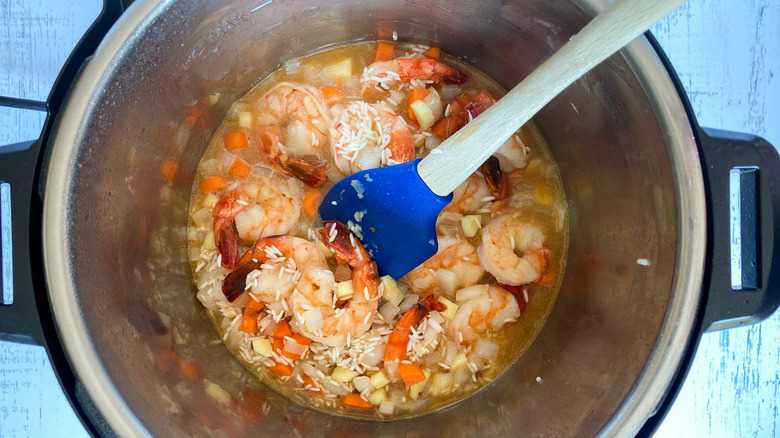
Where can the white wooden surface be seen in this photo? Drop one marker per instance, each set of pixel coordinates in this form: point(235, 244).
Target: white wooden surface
point(727, 54)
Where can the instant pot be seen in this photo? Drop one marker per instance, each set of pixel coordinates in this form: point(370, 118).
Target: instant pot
point(672, 226)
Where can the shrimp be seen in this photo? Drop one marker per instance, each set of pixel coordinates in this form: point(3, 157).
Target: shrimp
point(293, 128)
point(395, 351)
point(482, 192)
point(368, 136)
point(382, 76)
point(502, 239)
point(262, 205)
point(454, 256)
point(314, 304)
point(274, 269)
point(513, 154)
point(488, 310)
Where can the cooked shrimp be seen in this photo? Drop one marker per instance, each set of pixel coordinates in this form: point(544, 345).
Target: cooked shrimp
point(273, 267)
point(470, 196)
point(293, 126)
point(395, 351)
point(384, 75)
point(454, 255)
point(502, 239)
point(368, 136)
point(314, 304)
point(264, 204)
point(489, 310)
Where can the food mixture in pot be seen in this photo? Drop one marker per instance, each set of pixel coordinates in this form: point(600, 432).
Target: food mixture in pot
point(300, 301)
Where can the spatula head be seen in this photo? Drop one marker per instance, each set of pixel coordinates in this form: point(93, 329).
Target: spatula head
point(396, 213)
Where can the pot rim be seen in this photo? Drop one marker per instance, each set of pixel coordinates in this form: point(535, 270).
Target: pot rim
point(652, 383)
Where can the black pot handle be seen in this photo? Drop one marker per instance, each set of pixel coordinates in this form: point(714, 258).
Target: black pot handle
point(742, 173)
point(24, 307)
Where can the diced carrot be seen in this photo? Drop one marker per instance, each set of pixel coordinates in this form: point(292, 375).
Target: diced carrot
point(193, 116)
point(439, 128)
point(189, 369)
point(254, 306)
point(310, 385)
point(433, 53)
point(355, 400)
point(384, 51)
point(546, 279)
point(248, 323)
point(240, 168)
point(311, 202)
point(165, 360)
point(411, 373)
point(331, 94)
point(169, 167)
point(282, 369)
point(249, 319)
point(236, 140)
point(299, 338)
point(278, 345)
point(418, 93)
point(211, 184)
point(282, 330)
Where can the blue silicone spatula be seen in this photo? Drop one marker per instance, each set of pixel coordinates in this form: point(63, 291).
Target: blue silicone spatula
point(397, 206)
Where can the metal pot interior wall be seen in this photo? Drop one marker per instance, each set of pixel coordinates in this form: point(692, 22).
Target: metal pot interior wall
point(126, 229)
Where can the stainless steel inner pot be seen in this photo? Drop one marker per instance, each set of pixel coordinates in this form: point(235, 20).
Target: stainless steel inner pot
point(115, 228)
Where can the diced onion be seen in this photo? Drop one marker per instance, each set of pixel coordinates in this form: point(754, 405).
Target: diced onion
point(408, 302)
point(449, 92)
point(432, 142)
point(202, 217)
point(374, 356)
point(293, 347)
point(387, 408)
point(291, 66)
point(333, 387)
point(470, 292)
point(485, 348)
point(389, 311)
point(313, 318)
point(210, 167)
point(447, 281)
point(362, 383)
point(351, 87)
point(434, 103)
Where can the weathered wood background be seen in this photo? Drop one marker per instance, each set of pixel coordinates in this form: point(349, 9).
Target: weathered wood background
point(727, 54)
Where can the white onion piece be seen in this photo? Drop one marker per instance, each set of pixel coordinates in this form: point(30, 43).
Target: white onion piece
point(449, 92)
point(309, 74)
point(291, 66)
point(389, 311)
point(470, 292)
point(362, 383)
point(447, 281)
point(270, 328)
point(374, 356)
point(408, 302)
point(337, 109)
point(432, 142)
point(485, 348)
point(386, 407)
point(334, 387)
point(448, 223)
point(309, 369)
point(313, 318)
point(462, 375)
point(434, 103)
point(351, 87)
point(210, 167)
point(326, 78)
point(432, 359)
point(430, 335)
point(452, 351)
point(293, 347)
point(202, 218)
point(435, 316)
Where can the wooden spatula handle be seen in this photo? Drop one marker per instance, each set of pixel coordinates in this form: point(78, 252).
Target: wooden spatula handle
point(454, 160)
